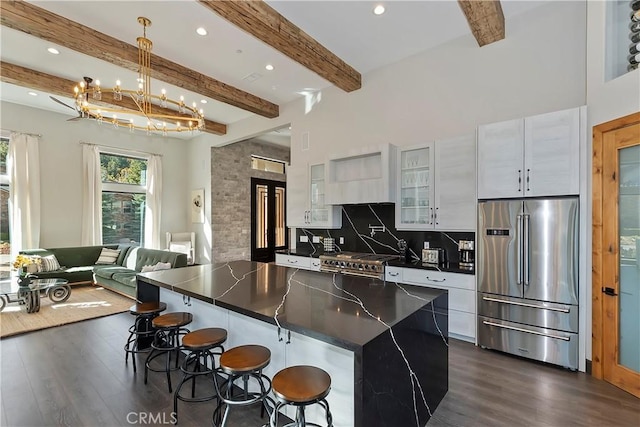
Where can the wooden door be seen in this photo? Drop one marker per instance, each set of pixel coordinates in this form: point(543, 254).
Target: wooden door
point(552, 153)
point(616, 253)
point(268, 230)
point(500, 160)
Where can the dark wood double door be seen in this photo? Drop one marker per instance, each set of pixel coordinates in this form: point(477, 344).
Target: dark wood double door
point(268, 219)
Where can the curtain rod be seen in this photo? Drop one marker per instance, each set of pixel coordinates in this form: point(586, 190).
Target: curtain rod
point(106, 147)
point(39, 135)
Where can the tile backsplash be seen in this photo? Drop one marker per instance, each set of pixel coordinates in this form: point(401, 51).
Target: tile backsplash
point(357, 223)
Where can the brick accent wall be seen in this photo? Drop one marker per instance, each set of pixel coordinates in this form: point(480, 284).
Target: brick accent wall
point(231, 175)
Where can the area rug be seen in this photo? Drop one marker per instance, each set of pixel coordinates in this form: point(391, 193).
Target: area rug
point(85, 302)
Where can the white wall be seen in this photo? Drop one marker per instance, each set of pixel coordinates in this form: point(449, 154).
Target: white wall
point(199, 158)
point(61, 169)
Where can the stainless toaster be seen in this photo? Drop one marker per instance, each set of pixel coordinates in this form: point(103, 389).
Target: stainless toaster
point(434, 256)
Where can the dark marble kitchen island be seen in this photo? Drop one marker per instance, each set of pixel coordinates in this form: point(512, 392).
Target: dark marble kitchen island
point(393, 336)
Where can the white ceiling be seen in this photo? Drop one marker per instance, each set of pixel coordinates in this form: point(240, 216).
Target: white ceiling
point(347, 28)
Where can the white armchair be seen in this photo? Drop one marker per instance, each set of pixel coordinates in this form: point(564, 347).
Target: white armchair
point(184, 242)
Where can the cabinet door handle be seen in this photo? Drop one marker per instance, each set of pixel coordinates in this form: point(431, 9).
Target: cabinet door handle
point(292, 261)
point(528, 188)
point(279, 337)
point(519, 179)
point(436, 280)
point(431, 216)
point(394, 273)
point(288, 337)
point(435, 216)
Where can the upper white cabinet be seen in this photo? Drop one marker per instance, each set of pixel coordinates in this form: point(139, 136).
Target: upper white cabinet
point(363, 175)
point(436, 186)
point(534, 156)
point(306, 198)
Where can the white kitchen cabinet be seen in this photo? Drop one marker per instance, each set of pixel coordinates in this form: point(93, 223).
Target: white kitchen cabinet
point(294, 261)
point(306, 198)
point(436, 186)
point(362, 175)
point(531, 157)
point(462, 295)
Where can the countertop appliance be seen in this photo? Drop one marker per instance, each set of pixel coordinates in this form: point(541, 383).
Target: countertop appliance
point(356, 264)
point(466, 250)
point(527, 269)
point(434, 256)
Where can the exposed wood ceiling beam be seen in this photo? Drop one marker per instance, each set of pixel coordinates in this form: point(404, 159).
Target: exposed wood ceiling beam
point(265, 23)
point(32, 79)
point(41, 23)
point(485, 19)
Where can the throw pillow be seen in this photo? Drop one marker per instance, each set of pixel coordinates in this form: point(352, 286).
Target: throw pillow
point(48, 263)
point(162, 266)
point(147, 268)
point(108, 256)
point(132, 259)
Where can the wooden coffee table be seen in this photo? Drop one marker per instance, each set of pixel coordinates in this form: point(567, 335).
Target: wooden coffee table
point(29, 294)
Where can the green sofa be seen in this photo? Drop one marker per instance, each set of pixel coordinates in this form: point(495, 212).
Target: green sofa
point(78, 265)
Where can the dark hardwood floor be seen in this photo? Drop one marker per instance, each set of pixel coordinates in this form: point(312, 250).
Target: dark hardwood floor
point(75, 375)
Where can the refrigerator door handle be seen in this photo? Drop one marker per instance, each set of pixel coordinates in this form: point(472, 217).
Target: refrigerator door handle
point(519, 246)
point(525, 253)
point(528, 331)
point(522, 304)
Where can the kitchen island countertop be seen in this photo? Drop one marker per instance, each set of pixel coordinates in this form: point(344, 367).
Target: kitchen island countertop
point(395, 335)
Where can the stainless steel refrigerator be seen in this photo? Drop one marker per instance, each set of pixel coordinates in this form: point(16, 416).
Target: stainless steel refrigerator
point(527, 267)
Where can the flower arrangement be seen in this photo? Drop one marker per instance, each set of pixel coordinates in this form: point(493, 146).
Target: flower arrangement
point(25, 264)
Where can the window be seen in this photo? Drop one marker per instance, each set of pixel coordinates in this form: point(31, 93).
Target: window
point(5, 235)
point(267, 165)
point(124, 181)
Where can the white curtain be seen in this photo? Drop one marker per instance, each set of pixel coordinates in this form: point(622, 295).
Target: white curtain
point(91, 196)
point(23, 167)
point(153, 204)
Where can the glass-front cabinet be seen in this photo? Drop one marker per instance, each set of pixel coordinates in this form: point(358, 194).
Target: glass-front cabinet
point(415, 207)
point(318, 210)
point(306, 198)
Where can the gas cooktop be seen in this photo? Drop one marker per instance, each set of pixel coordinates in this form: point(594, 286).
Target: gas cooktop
point(357, 264)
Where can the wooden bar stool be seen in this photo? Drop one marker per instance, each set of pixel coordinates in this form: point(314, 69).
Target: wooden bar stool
point(244, 362)
point(203, 345)
point(166, 340)
point(141, 329)
point(301, 386)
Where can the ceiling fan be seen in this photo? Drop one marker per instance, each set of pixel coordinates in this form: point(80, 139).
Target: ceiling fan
point(88, 81)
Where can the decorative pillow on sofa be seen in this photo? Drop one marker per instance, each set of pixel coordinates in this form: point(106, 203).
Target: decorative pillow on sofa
point(132, 258)
point(48, 263)
point(159, 266)
point(108, 256)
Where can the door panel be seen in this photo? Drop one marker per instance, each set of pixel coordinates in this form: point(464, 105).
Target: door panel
point(498, 262)
point(268, 229)
point(616, 265)
point(551, 262)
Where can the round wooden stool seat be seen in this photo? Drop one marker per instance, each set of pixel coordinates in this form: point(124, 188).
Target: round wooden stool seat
point(245, 358)
point(301, 384)
point(141, 332)
point(172, 320)
point(242, 367)
point(204, 338)
point(143, 308)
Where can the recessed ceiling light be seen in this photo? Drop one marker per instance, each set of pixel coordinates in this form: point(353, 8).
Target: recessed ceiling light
point(53, 50)
point(269, 67)
point(201, 31)
point(378, 10)
point(33, 94)
point(203, 101)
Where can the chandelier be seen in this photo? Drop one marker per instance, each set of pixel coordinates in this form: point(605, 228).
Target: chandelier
point(186, 118)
